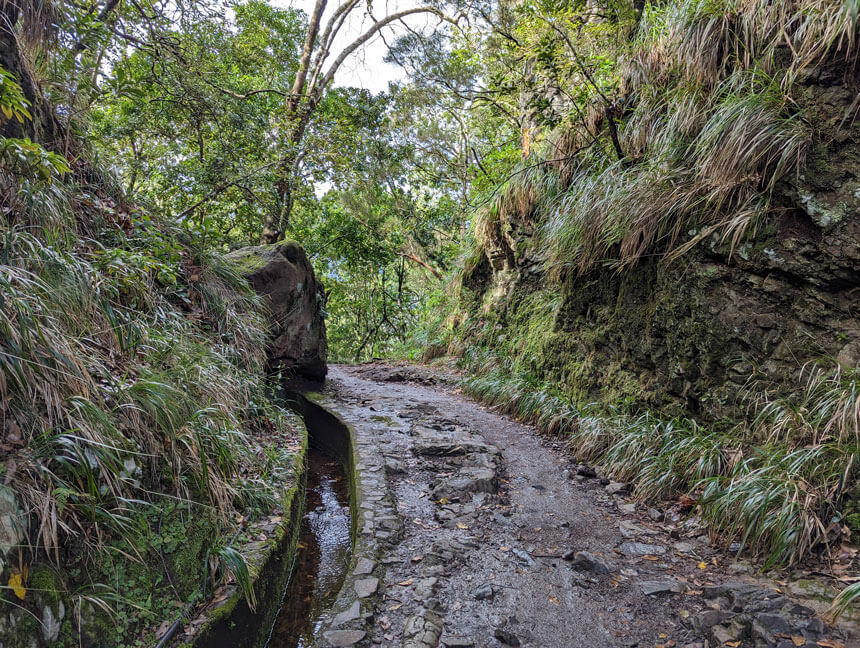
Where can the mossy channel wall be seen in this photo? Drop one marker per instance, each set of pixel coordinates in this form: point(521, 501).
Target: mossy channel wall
point(234, 624)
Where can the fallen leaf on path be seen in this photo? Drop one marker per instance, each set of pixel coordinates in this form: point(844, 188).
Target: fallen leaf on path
point(554, 600)
point(406, 583)
point(396, 606)
point(798, 641)
point(733, 644)
point(417, 558)
point(703, 565)
point(460, 525)
point(831, 643)
point(649, 557)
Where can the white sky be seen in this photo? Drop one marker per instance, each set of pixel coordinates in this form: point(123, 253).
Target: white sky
point(365, 68)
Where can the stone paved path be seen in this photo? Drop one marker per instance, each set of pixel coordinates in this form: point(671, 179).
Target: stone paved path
point(502, 540)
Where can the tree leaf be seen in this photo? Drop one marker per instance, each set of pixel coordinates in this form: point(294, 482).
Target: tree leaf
point(15, 582)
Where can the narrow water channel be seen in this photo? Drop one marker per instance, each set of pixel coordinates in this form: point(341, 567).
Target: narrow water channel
point(322, 557)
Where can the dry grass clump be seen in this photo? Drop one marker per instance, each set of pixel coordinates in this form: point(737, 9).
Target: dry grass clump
point(777, 492)
point(707, 126)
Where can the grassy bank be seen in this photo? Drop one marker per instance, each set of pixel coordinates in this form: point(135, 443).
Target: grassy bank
point(138, 436)
point(783, 483)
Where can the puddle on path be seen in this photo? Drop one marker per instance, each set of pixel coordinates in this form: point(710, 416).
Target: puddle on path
point(322, 557)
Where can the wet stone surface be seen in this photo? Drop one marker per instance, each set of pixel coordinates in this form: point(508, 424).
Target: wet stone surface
point(482, 534)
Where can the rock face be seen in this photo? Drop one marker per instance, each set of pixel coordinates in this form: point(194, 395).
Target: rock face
point(282, 274)
point(684, 336)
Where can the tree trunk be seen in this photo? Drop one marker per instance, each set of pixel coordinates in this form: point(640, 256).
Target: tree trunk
point(276, 224)
point(44, 128)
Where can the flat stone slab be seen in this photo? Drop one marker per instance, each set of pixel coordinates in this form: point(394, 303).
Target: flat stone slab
point(637, 549)
point(350, 614)
point(365, 587)
point(662, 586)
point(344, 638)
point(467, 480)
point(363, 567)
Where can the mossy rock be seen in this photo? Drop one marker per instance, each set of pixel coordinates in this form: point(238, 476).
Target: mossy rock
point(48, 583)
point(853, 522)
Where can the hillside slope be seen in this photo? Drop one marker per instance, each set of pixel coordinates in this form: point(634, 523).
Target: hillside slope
point(672, 280)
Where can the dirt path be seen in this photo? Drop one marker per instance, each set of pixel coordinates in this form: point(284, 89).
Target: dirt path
point(502, 540)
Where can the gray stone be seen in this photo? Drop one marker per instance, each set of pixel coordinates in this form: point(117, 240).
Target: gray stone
point(720, 635)
point(422, 630)
point(344, 638)
point(524, 557)
point(614, 488)
point(773, 623)
point(663, 586)
point(631, 529)
point(350, 614)
point(709, 618)
point(365, 587)
point(655, 515)
point(727, 589)
point(457, 642)
point(684, 547)
point(587, 562)
point(484, 592)
point(628, 509)
point(394, 467)
point(636, 549)
point(363, 567)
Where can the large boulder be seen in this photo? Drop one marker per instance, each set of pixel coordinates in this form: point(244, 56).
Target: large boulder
point(282, 274)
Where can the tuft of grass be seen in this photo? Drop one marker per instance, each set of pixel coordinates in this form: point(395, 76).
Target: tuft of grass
point(779, 503)
point(847, 598)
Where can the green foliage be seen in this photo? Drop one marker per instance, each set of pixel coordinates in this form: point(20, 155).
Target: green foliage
point(846, 599)
point(12, 101)
point(234, 563)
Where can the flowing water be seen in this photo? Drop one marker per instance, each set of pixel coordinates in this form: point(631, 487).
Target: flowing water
point(322, 557)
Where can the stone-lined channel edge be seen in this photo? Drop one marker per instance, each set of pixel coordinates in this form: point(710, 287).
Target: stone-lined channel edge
point(270, 561)
point(375, 526)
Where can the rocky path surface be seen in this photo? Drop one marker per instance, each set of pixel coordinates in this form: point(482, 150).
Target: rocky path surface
point(503, 541)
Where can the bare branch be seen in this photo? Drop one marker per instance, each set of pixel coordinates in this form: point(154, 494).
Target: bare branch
point(307, 52)
point(370, 33)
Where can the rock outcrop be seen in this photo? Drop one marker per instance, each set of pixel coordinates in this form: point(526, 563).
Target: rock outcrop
point(684, 336)
point(283, 275)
